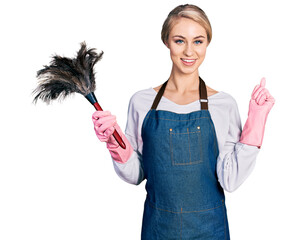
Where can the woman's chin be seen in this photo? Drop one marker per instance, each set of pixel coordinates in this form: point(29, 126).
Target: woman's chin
point(188, 70)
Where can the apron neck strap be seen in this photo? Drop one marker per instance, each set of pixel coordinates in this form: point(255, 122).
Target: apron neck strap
point(203, 95)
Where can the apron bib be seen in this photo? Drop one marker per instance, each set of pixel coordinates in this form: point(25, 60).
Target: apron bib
point(184, 198)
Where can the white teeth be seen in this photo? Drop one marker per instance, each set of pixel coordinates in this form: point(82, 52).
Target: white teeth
point(186, 60)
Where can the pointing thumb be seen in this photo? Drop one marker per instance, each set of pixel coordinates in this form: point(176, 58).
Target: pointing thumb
point(263, 82)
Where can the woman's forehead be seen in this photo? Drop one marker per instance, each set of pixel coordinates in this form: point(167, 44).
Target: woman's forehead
point(188, 28)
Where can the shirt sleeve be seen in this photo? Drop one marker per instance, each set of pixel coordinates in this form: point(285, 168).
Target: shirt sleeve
point(237, 160)
point(131, 171)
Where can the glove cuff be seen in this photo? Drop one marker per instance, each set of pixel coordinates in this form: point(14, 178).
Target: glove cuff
point(253, 131)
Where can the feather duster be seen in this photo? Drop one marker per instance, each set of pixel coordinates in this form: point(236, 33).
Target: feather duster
point(65, 76)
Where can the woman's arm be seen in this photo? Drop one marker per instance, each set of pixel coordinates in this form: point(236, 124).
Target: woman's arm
point(236, 165)
point(241, 147)
point(132, 171)
point(236, 160)
point(260, 105)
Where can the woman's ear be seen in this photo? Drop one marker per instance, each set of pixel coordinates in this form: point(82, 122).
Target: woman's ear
point(166, 43)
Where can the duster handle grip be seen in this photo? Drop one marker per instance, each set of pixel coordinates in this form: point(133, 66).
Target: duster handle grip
point(115, 134)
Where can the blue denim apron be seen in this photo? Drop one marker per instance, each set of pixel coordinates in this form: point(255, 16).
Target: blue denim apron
point(184, 198)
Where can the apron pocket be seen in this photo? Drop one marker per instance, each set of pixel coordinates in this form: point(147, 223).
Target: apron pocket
point(186, 146)
point(207, 225)
point(160, 224)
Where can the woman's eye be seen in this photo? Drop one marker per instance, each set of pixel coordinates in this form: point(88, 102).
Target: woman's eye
point(198, 42)
point(179, 41)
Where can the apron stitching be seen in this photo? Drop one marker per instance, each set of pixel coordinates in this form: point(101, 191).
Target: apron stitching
point(171, 133)
point(184, 164)
point(171, 150)
point(181, 223)
point(184, 211)
point(224, 221)
point(215, 139)
point(177, 120)
point(204, 209)
point(189, 146)
point(144, 121)
point(201, 145)
point(185, 132)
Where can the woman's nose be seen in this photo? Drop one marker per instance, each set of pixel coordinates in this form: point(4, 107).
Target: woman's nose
point(188, 51)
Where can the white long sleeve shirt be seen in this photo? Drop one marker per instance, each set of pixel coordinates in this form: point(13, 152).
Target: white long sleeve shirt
point(235, 161)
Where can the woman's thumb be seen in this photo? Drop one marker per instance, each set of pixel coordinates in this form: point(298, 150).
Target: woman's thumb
point(263, 82)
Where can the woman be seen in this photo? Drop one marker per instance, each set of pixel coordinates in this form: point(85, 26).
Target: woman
point(189, 145)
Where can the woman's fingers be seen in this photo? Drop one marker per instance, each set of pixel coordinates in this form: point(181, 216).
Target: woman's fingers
point(258, 88)
point(104, 123)
point(105, 119)
point(262, 97)
point(254, 90)
point(109, 131)
point(99, 114)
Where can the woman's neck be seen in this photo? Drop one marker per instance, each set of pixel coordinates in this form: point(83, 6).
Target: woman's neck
point(181, 83)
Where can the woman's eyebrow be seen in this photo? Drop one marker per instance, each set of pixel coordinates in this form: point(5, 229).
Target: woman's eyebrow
point(180, 36)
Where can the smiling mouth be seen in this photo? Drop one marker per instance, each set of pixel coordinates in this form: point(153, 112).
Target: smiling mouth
point(188, 62)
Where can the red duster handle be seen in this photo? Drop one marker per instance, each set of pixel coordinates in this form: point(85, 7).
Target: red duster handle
point(115, 134)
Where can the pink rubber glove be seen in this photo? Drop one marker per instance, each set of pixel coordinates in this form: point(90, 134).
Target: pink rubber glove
point(104, 124)
point(259, 106)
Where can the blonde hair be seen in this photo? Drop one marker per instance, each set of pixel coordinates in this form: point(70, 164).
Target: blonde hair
point(187, 11)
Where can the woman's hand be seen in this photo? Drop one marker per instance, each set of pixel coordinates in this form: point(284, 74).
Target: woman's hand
point(261, 97)
point(104, 125)
point(259, 106)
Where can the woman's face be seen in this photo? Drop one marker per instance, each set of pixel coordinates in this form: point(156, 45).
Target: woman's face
point(187, 42)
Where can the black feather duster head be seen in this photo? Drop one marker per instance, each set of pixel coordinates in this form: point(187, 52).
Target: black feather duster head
point(65, 75)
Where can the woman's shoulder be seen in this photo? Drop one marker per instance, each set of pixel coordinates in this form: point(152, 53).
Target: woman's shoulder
point(223, 95)
point(143, 94)
point(223, 99)
point(142, 98)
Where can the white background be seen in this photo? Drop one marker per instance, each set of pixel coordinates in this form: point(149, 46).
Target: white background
point(57, 180)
